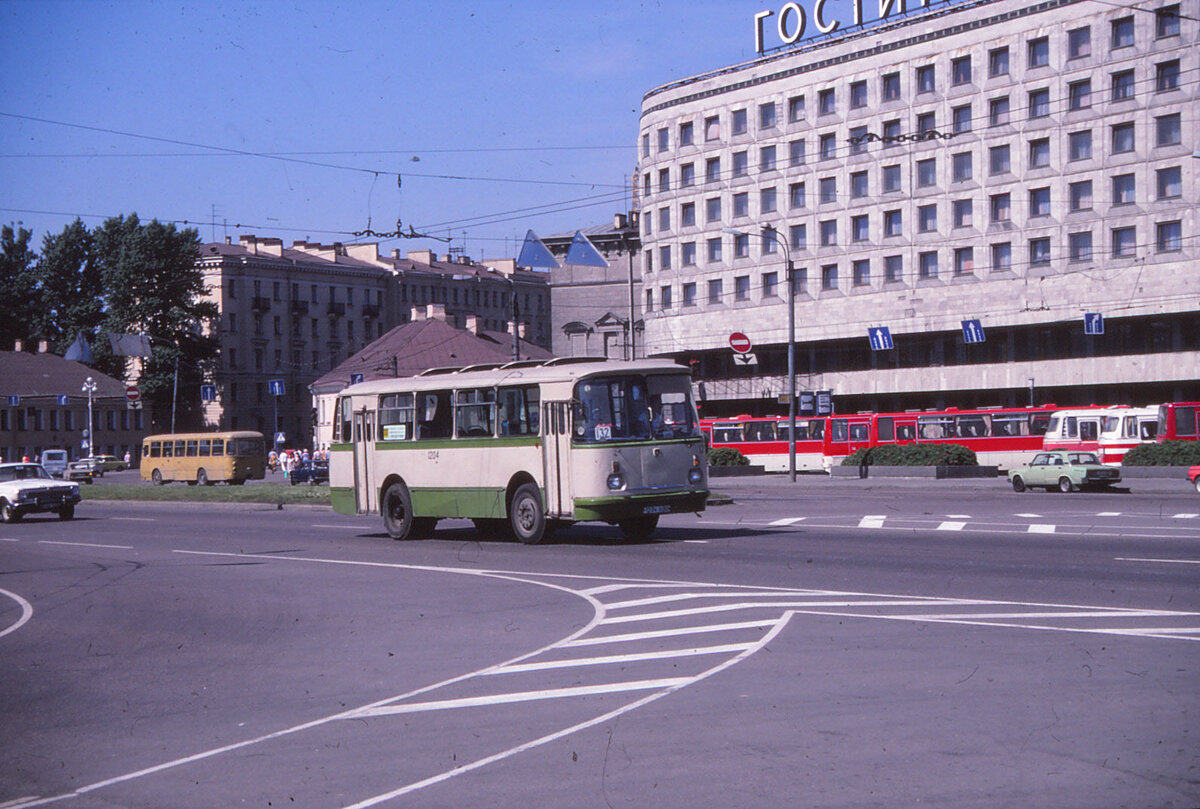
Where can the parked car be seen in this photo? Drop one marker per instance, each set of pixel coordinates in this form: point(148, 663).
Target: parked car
point(80, 470)
point(54, 461)
point(26, 488)
point(311, 472)
point(1194, 477)
point(1064, 470)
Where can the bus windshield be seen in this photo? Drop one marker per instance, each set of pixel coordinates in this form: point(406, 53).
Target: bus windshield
point(634, 408)
point(246, 446)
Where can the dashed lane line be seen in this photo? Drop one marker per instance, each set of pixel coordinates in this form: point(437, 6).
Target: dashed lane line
point(85, 544)
point(1041, 528)
point(951, 525)
point(1158, 561)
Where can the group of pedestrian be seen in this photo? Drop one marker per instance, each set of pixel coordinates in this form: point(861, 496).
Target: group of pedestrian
point(291, 459)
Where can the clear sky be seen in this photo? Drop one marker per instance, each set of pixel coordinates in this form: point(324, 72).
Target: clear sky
point(294, 119)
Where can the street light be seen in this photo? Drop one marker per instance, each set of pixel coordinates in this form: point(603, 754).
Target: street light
point(773, 234)
point(89, 387)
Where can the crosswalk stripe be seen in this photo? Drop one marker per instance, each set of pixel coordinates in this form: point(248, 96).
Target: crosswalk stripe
point(1037, 528)
point(951, 526)
point(667, 633)
point(1185, 516)
point(629, 658)
point(787, 521)
point(872, 521)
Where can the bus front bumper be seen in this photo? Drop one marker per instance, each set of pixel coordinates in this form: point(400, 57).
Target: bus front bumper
point(623, 507)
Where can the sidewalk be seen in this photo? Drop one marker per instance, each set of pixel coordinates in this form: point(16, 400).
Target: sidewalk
point(816, 482)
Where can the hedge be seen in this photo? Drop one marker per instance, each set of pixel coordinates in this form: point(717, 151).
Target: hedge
point(1168, 453)
point(727, 456)
point(913, 455)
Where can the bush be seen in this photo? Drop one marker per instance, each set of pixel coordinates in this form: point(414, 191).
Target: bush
point(727, 456)
point(913, 455)
point(1168, 453)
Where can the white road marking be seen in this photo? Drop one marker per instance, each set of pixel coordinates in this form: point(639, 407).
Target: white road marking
point(950, 525)
point(688, 596)
point(1160, 561)
point(664, 633)
point(1027, 515)
point(85, 544)
point(796, 604)
point(1185, 516)
point(958, 516)
point(339, 527)
point(872, 521)
point(134, 519)
point(629, 658)
point(1041, 528)
point(1108, 514)
point(8, 539)
point(26, 612)
point(787, 521)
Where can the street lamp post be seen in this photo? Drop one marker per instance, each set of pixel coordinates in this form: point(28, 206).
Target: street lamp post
point(89, 387)
point(512, 290)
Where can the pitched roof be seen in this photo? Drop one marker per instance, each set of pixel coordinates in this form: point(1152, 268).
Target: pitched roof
point(411, 348)
point(24, 374)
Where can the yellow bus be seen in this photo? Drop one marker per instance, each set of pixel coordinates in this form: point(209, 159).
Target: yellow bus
point(204, 458)
point(521, 447)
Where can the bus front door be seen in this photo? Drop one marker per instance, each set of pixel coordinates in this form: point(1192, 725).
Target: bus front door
point(556, 458)
point(366, 498)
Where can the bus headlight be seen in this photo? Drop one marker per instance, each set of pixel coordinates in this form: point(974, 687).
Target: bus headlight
point(695, 475)
point(616, 481)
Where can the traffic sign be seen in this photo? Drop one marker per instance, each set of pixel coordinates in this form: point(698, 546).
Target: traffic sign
point(355, 378)
point(973, 331)
point(807, 404)
point(1093, 323)
point(824, 403)
point(276, 386)
point(14, 401)
point(208, 393)
point(740, 343)
point(132, 405)
point(62, 399)
point(880, 337)
point(280, 438)
point(132, 393)
point(745, 359)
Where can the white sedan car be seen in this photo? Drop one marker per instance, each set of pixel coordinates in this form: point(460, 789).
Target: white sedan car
point(27, 488)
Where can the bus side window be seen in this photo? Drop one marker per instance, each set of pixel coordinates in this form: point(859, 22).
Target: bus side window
point(474, 412)
point(205, 447)
point(396, 417)
point(433, 414)
point(519, 409)
point(218, 448)
point(167, 446)
point(1089, 430)
point(341, 424)
point(155, 449)
point(191, 448)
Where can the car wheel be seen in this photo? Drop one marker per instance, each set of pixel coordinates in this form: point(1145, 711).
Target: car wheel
point(526, 516)
point(396, 506)
point(1018, 484)
point(66, 512)
point(156, 477)
point(202, 477)
point(8, 512)
point(1065, 485)
point(1196, 483)
point(638, 529)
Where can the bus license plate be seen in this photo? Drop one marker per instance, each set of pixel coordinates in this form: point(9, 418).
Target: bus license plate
point(656, 510)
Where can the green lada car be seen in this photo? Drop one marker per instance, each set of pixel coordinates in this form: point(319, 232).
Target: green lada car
point(1064, 470)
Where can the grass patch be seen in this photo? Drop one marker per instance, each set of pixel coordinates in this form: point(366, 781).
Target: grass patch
point(181, 492)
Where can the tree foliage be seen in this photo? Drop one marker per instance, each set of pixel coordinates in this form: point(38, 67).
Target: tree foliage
point(17, 287)
point(69, 288)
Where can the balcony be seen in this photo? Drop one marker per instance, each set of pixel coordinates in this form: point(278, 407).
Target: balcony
point(260, 304)
point(337, 308)
point(299, 307)
point(370, 310)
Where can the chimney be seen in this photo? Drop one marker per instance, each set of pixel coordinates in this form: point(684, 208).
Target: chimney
point(418, 313)
point(228, 240)
point(473, 324)
point(619, 221)
point(43, 346)
point(18, 345)
point(435, 311)
point(421, 256)
point(522, 330)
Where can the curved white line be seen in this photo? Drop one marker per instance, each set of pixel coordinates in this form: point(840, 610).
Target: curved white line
point(26, 612)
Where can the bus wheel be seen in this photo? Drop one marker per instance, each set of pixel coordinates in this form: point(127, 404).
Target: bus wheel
point(638, 528)
point(156, 477)
point(526, 516)
point(202, 477)
point(397, 511)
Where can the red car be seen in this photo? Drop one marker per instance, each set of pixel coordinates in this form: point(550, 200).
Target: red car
point(1194, 477)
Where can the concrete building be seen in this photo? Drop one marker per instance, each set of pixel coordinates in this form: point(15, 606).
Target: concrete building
point(1011, 163)
point(291, 314)
point(43, 406)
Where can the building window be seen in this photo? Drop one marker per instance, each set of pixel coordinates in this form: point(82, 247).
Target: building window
point(739, 122)
point(664, 257)
point(664, 139)
point(741, 288)
point(963, 213)
point(1038, 52)
point(926, 123)
point(1166, 76)
point(828, 146)
point(766, 158)
point(714, 250)
point(715, 292)
point(664, 179)
point(1170, 182)
point(1167, 129)
point(712, 128)
point(860, 229)
point(796, 109)
point(828, 232)
point(926, 172)
point(1081, 195)
point(1124, 189)
point(829, 277)
point(893, 223)
point(889, 88)
point(798, 237)
point(664, 298)
point(645, 144)
point(858, 140)
point(960, 70)
point(1039, 153)
point(1001, 207)
point(796, 195)
point(827, 187)
point(961, 116)
point(858, 95)
point(712, 209)
point(998, 62)
point(685, 134)
point(770, 242)
point(689, 294)
point(1039, 202)
point(1079, 94)
point(826, 102)
point(964, 260)
point(649, 261)
point(893, 268)
point(1001, 257)
point(649, 300)
point(1166, 21)
point(712, 170)
point(1039, 252)
point(664, 220)
point(1169, 236)
point(1124, 242)
point(766, 115)
point(927, 264)
point(1122, 138)
point(961, 166)
point(741, 205)
point(767, 200)
point(927, 218)
point(1079, 246)
point(891, 179)
point(1122, 33)
point(1039, 103)
point(1079, 42)
point(925, 79)
point(687, 254)
point(1123, 86)
point(770, 284)
point(1079, 145)
point(998, 111)
point(858, 184)
point(687, 175)
point(741, 164)
point(687, 214)
point(891, 132)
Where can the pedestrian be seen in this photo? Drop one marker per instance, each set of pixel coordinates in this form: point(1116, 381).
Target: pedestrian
point(128, 458)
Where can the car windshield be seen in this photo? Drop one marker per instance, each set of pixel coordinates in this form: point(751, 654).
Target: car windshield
point(27, 471)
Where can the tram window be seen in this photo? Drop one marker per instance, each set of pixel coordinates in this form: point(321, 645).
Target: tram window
point(838, 430)
point(1072, 428)
point(1089, 430)
point(396, 416)
point(972, 426)
point(1038, 424)
point(433, 414)
point(1149, 430)
point(1185, 421)
point(860, 432)
point(936, 427)
point(816, 429)
point(760, 431)
point(474, 412)
point(727, 433)
point(906, 432)
point(519, 409)
point(887, 428)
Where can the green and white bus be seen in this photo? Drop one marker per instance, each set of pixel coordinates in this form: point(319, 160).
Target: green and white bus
point(521, 447)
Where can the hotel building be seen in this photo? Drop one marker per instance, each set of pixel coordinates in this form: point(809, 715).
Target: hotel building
point(1013, 163)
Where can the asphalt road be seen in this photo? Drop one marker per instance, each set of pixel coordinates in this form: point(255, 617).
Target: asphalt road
point(830, 644)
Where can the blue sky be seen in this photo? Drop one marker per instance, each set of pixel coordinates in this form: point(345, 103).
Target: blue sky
point(533, 103)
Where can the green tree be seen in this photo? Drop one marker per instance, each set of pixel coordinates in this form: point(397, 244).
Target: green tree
point(70, 288)
point(154, 286)
point(17, 287)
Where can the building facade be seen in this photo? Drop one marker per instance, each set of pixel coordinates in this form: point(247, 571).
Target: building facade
point(1016, 164)
point(289, 315)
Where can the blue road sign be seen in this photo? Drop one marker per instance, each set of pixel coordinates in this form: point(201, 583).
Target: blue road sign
point(355, 378)
point(14, 401)
point(276, 386)
point(1093, 323)
point(208, 393)
point(972, 331)
point(63, 400)
point(824, 403)
point(807, 404)
point(880, 337)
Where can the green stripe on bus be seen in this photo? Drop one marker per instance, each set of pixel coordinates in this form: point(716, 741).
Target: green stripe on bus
point(460, 501)
point(342, 499)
